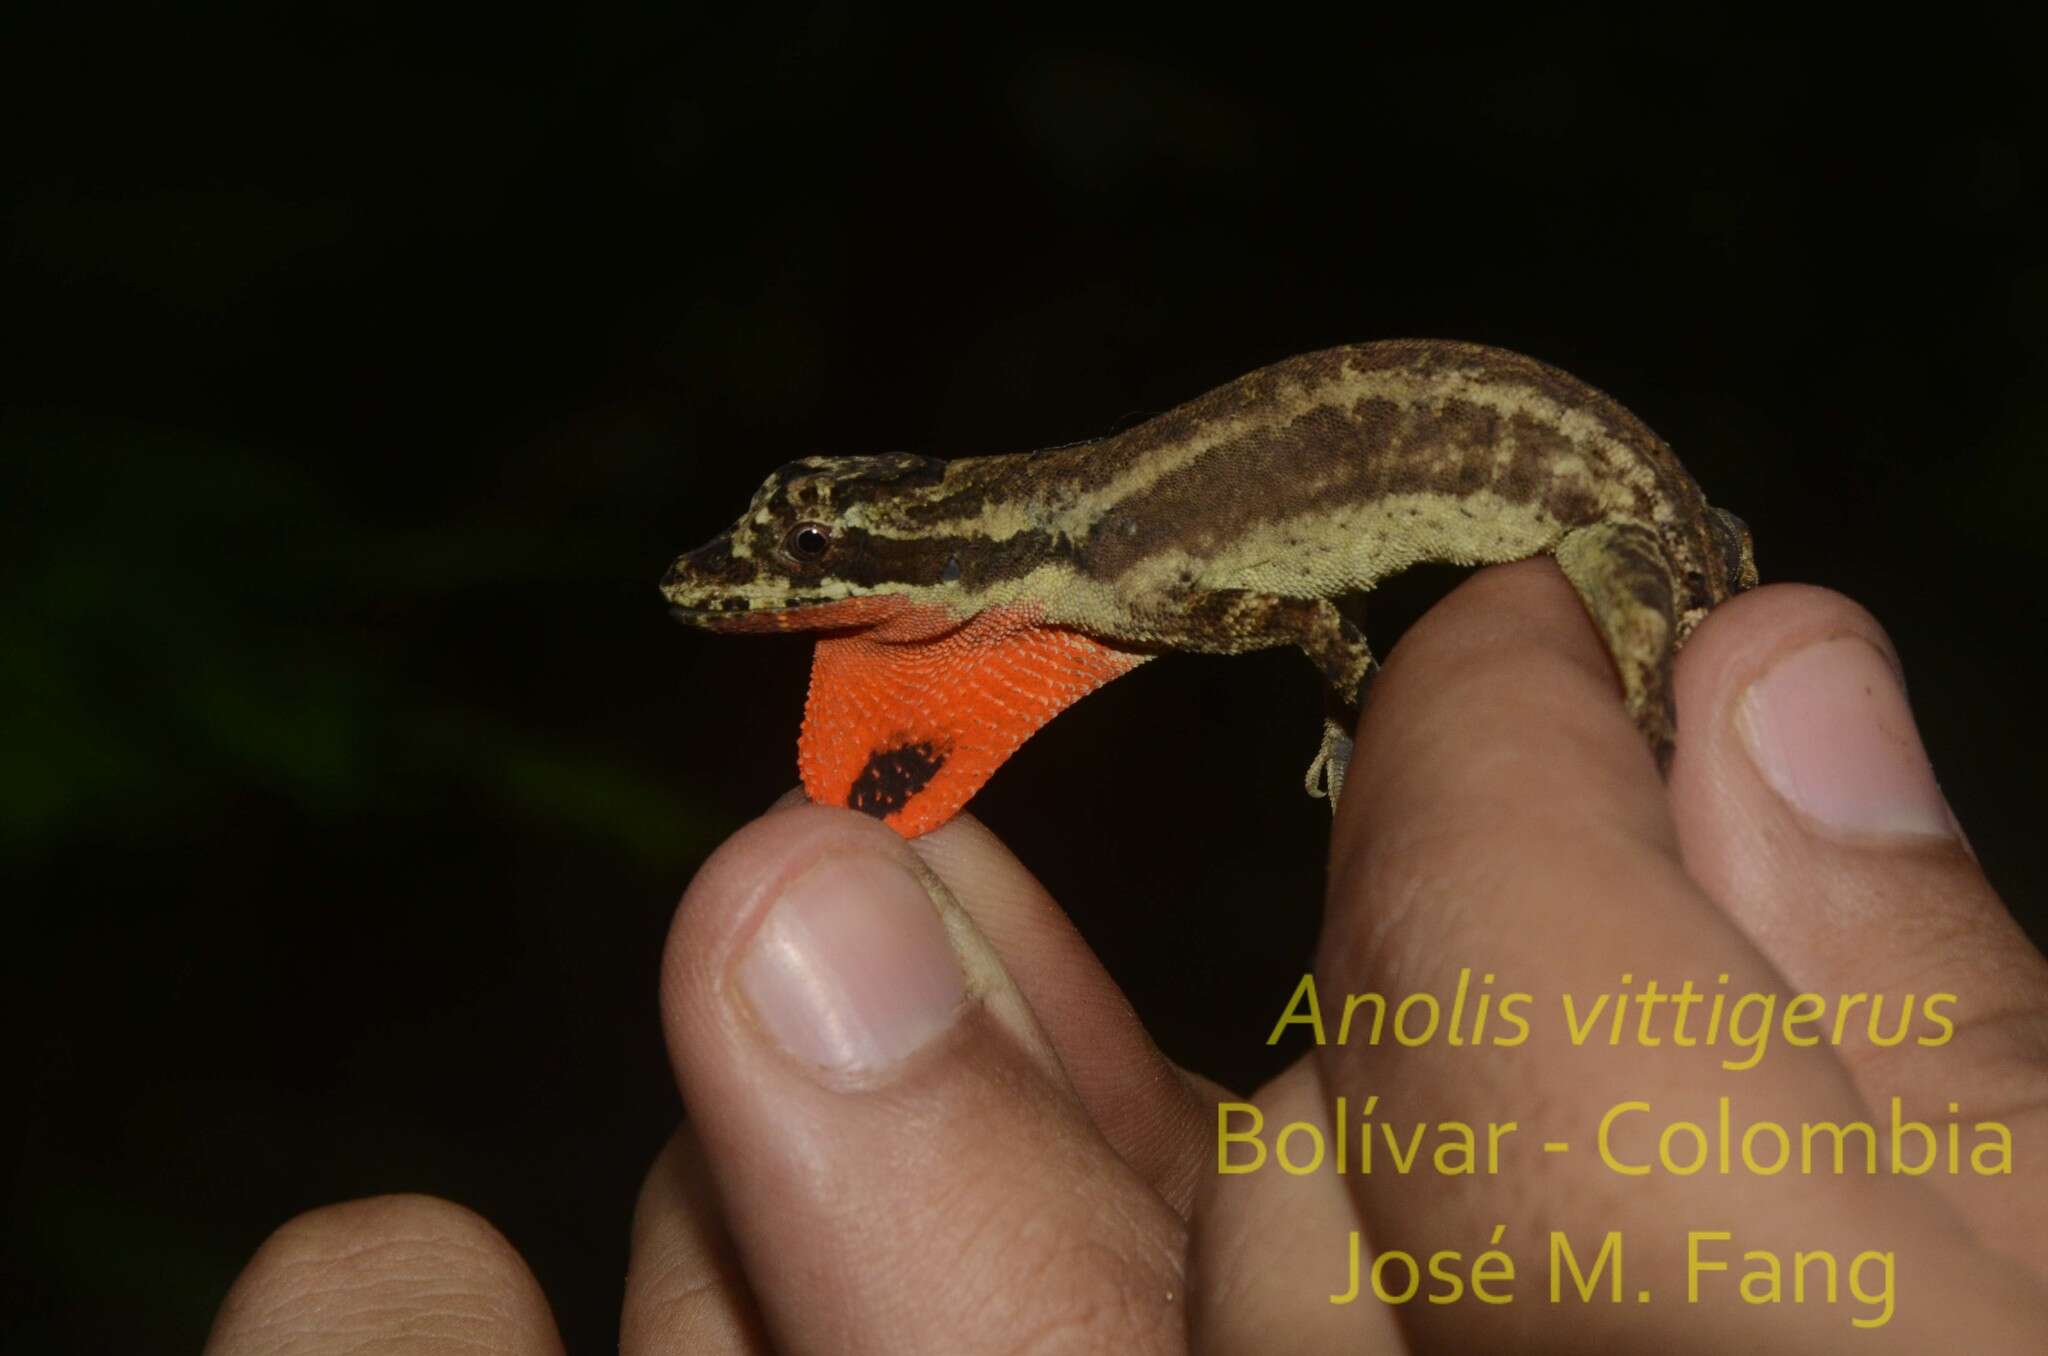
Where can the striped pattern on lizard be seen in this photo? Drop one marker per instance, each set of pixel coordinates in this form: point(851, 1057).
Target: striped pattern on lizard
point(965, 603)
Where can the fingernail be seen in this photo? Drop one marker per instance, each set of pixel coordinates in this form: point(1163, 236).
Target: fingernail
point(1830, 730)
point(851, 970)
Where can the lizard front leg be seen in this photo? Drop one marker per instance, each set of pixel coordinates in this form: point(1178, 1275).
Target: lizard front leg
point(1235, 621)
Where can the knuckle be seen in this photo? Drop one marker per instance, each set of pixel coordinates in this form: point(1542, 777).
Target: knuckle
point(1079, 1272)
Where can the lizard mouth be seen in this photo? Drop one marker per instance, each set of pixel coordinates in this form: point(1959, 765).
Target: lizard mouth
point(733, 618)
point(793, 614)
point(697, 614)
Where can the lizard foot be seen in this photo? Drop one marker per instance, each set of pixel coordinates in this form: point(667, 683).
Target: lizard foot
point(1326, 774)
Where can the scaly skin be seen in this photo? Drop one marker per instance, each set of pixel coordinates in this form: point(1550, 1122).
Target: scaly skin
point(971, 600)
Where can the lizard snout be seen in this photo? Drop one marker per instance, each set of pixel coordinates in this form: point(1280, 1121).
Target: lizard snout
point(711, 567)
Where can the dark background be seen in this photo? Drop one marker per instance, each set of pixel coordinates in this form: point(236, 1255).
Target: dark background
point(364, 370)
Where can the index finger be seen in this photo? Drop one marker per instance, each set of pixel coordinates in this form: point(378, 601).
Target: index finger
point(1506, 837)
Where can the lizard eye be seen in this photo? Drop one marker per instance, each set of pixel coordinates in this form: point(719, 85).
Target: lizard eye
point(807, 543)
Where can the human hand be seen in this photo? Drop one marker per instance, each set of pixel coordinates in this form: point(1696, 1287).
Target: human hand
point(924, 1118)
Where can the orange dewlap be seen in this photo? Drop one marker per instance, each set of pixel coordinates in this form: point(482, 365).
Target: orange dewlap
point(908, 730)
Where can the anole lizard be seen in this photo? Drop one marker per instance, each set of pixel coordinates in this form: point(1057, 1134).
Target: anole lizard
point(967, 602)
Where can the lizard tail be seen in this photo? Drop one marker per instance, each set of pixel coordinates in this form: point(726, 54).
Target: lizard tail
point(1738, 556)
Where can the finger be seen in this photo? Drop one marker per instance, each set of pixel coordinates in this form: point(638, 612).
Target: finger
point(1513, 835)
point(1154, 1118)
point(899, 1157)
point(1154, 1114)
point(1262, 1272)
point(684, 1289)
point(1807, 809)
point(391, 1273)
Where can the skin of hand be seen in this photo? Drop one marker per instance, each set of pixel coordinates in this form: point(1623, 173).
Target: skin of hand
point(923, 1118)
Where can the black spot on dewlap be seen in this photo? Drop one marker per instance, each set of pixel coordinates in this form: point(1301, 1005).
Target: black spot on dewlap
point(892, 777)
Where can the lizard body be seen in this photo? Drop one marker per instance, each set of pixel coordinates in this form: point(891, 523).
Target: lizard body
point(966, 602)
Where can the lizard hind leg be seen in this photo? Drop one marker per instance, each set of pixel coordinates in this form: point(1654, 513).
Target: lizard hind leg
point(1624, 577)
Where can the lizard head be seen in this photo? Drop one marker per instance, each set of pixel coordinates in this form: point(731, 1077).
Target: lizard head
point(826, 542)
point(936, 663)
